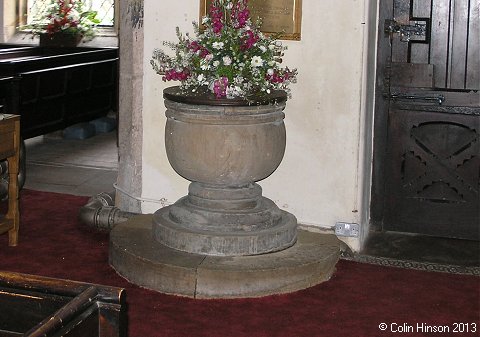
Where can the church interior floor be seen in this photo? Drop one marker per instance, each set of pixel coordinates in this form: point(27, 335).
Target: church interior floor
point(88, 167)
point(75, 166)
point(423, 252)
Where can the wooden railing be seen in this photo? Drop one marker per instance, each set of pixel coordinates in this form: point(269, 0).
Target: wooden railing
point(40, 306)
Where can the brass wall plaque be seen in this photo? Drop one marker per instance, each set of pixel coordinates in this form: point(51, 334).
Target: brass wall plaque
point(278, 16)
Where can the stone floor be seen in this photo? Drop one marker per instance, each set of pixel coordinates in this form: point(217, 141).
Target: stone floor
point(74, 166)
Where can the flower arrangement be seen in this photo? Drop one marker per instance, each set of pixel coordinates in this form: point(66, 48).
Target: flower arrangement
point(64, 16)
point(229, 56)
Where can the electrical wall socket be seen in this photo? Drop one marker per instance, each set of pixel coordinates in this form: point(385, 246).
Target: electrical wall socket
point(347, 229)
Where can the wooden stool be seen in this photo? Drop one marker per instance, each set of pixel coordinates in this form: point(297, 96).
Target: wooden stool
point(10, 149)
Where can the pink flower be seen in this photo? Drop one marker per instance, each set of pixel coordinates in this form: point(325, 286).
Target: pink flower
point(216, 15)
point(174, 75)
point(220, 87)
point(275, 78)
point(280, 78)
point(240, 14)
point(195, 47)
point(217, 26)
point(249, 40)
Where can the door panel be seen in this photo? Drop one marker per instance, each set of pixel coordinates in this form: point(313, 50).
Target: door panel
point(473, 65)
point(427, 119)
point(434, 173)
point(439, 41)
point(459, 43)
point(412, 75)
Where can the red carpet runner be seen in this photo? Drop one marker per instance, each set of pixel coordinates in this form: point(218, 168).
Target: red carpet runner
point(355, 302)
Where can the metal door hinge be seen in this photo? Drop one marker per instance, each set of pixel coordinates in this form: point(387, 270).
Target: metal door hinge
point(406, 31)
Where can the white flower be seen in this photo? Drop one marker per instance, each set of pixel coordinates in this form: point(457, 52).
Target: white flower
point(270, 71)
point(256, 61)
point(209, 57)
point(205, 19)
point(263, 49)
point(234, 91)
point(217, 45)
point(227, 60)
point(216, 63)
point(200, 78)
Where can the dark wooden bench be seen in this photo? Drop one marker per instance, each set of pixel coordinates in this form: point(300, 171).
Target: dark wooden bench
point(53, 88)
point(13, 52)
point(39, 306)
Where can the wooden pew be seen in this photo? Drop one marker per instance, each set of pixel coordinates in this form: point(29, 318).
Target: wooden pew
point(40, 306)
point(53, 88)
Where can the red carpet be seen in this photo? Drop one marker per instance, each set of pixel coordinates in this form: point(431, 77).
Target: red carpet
point(354, 302)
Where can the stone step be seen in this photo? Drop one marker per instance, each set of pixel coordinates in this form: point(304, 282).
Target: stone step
point(137, 257)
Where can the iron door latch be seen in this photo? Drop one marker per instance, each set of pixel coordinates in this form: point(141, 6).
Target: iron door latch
point(439, 99)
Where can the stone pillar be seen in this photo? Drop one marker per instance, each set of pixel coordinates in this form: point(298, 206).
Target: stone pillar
point(130, 129)
point(8, 19)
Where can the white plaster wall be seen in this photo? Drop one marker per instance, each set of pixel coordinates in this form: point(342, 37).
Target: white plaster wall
point(320, 179)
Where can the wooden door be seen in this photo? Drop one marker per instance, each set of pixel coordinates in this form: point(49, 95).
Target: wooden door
point(427, 123)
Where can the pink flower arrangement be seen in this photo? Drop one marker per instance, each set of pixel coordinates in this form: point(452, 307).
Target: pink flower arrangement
point(229, 56)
